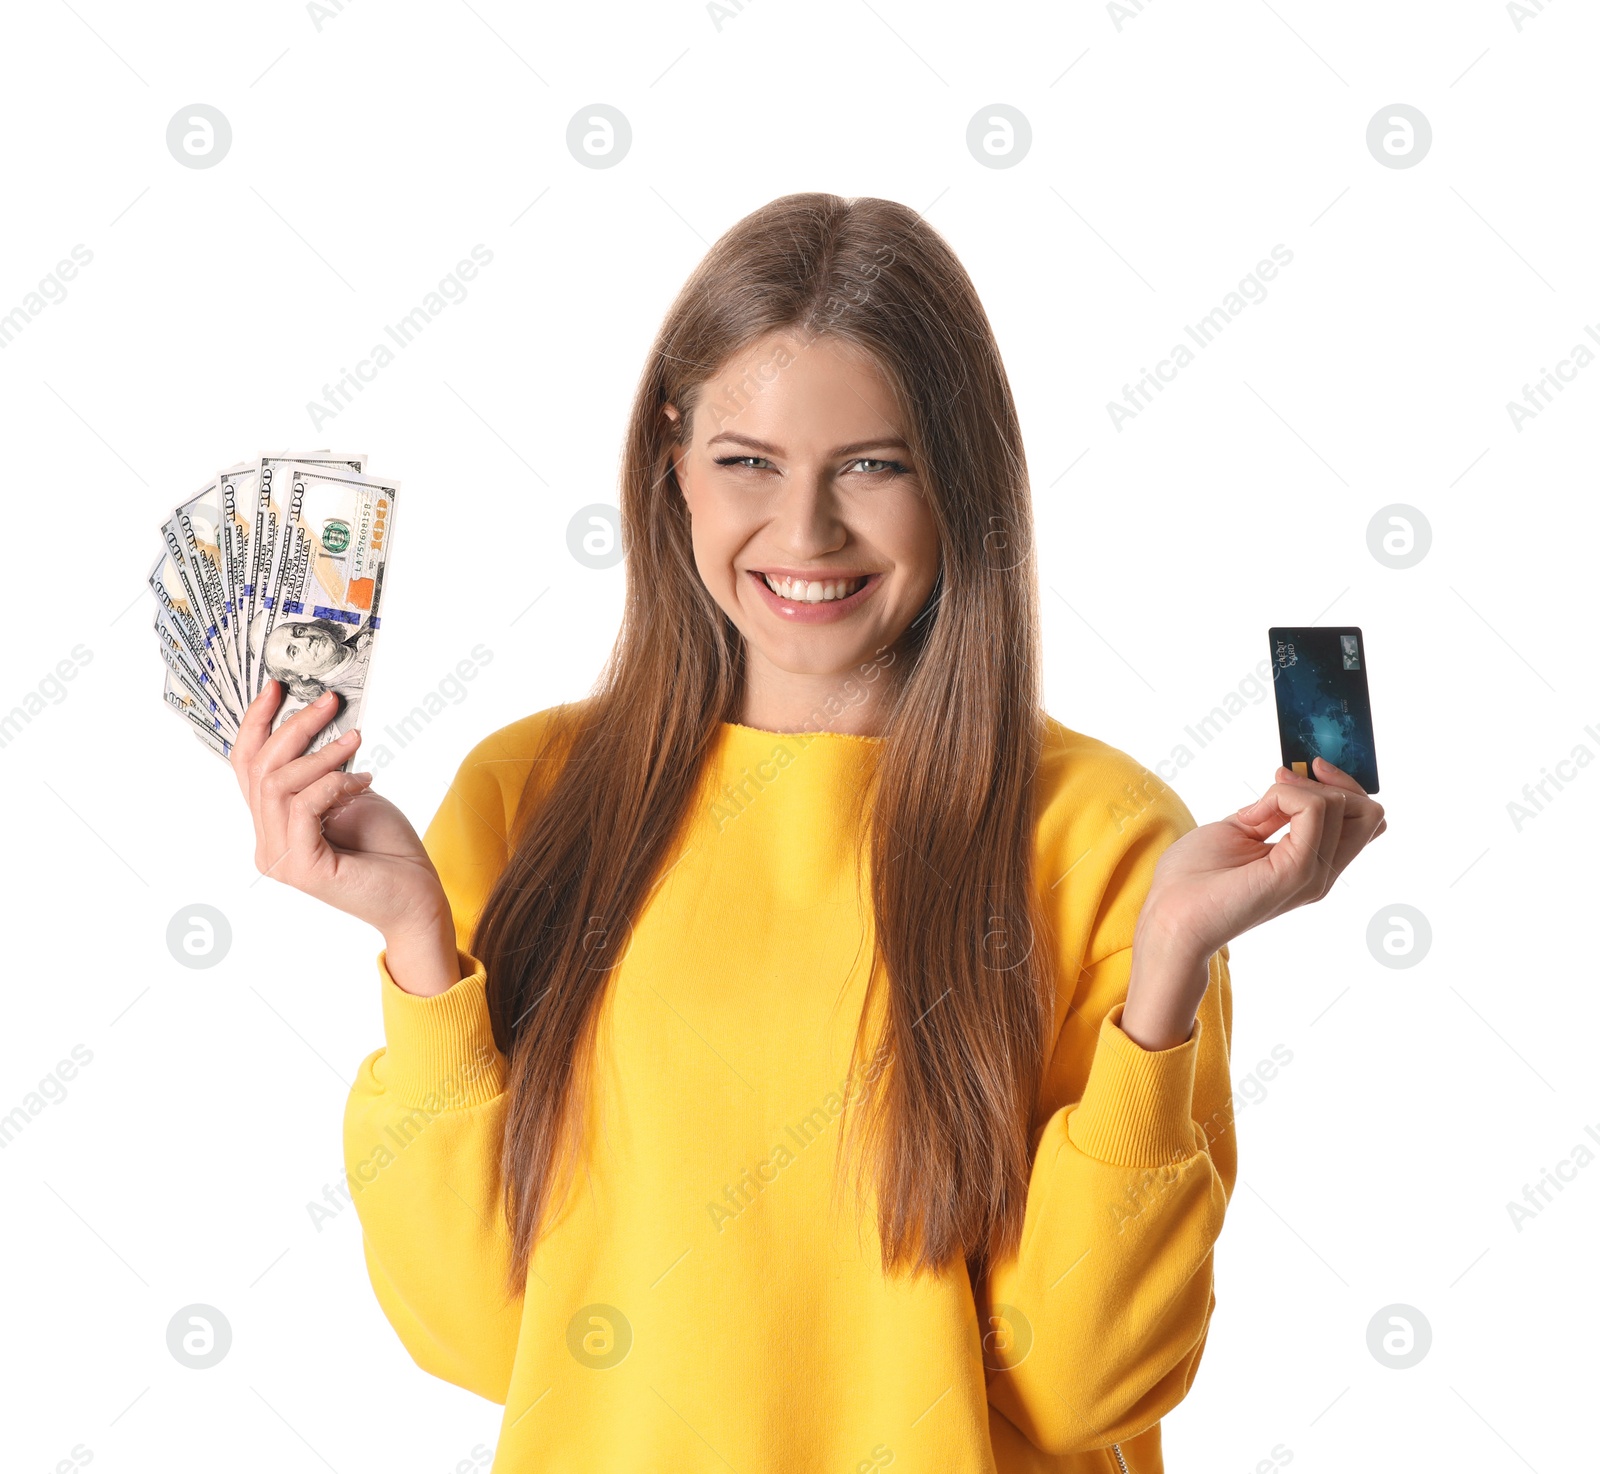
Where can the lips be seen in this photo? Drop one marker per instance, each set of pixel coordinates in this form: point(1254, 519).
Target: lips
point(815, 611)
point(822, 589)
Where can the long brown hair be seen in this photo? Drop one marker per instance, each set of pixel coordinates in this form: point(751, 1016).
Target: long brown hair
point(960, 948)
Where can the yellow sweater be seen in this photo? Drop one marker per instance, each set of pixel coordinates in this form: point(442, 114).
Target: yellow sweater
point(699, 1307)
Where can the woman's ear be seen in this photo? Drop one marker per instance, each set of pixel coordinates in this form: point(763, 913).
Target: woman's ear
point(675, 451)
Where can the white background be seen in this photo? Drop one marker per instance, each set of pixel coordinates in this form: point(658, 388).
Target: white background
point(1170, 153)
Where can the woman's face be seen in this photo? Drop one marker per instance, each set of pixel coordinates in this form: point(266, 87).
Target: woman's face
point(798, 469)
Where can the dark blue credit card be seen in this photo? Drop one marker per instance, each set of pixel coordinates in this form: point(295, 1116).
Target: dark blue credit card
point(1319, 677)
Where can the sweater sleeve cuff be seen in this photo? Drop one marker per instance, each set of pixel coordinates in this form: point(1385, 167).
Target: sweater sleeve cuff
point(1137, 1107)
point(440, 1050)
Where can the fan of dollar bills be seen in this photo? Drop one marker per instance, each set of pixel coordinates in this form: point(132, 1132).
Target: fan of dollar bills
point(273, 571)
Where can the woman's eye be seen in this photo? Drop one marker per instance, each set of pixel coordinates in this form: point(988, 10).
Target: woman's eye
point(746, 463)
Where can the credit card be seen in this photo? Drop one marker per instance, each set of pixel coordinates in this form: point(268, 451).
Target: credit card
point(1319, 678)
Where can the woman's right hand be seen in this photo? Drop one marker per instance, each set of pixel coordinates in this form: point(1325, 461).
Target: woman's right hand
point(326, 833)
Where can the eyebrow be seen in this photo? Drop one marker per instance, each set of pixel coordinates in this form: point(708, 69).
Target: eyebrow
point(887, 443)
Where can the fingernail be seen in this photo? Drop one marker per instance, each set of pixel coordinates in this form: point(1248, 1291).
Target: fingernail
point(325, 698)
point(351, 735)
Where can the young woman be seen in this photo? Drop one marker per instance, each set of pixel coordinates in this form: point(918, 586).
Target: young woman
point(804, 1054)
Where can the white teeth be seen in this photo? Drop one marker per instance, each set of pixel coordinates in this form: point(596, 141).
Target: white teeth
point(804, 592)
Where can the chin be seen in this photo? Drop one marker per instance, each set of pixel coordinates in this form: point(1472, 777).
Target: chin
point(816, 653)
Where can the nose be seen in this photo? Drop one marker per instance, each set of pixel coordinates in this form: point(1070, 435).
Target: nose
point(806, 524)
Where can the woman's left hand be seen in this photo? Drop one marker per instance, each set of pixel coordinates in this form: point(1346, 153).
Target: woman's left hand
point(1221, 879)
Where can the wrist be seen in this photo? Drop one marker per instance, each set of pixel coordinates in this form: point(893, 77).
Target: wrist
point(1166, 981)
point(422, 958)
point(1176, 944)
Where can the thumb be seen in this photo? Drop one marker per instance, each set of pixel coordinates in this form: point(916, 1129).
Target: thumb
point(1283, 775)
point(1266, 815)
point(318, 800)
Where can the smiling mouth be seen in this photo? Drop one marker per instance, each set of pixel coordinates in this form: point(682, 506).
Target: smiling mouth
point(813, 591)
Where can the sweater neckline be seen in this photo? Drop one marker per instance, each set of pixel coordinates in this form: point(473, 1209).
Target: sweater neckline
point(739, 731)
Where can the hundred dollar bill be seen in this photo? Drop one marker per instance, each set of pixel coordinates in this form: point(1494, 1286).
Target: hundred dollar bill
point(235, 508)
point(240, 511)
point(316, 628)
point(196, 683)
point(209, 675)
point(271, 494)
point(207, 727)
point(218, 744)
point(195, 527)
point(198, 601)
point(173, 588)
